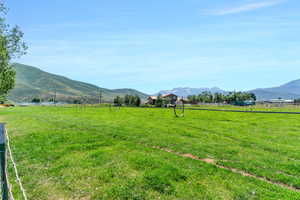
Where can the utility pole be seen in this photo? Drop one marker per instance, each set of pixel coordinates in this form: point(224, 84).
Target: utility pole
point(100, 96)
point(54, 95)
point(40, 96)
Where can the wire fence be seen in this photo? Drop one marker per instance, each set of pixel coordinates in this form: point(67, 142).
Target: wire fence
point(4, 182)
point(7, 156)
point(5, 153)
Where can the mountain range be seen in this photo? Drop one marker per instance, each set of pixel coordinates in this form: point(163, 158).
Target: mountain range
point(289, 90)
point(32, 82)
point(186, 91)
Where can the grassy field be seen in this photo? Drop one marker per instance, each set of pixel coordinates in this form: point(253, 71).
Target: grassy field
point(94, 153)
point(259, 107)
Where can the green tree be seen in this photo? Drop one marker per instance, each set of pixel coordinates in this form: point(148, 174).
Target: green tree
point(137, 101)
point(193, 99)
point(159, 101)
point(36, 100)
point(76, 101)
point(252, 96)
point(127, 99)
point(118, 101)
point(11, 46)
point(130, 100)
point(297, 101)
point(218, 98)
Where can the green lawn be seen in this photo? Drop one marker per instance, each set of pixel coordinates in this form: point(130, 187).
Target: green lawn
point(259, 107)
point(94, 153)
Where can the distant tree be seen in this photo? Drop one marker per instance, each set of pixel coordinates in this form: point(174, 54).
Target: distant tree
point(159, 101)
point(218, 98)
point(231, 97)
point(297, 101)
point(193, 99)
point(76, 101)
point(127, 100)
point(137, 101)
point(130, 100)
point(52, 100)
point(118, 101)
point(11, 46)
point(36, 100)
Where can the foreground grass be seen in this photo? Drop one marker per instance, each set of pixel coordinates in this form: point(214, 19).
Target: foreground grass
point(95, 153)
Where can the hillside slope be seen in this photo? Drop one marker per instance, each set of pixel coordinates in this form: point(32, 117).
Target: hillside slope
point(32, 82)
point(290, 90)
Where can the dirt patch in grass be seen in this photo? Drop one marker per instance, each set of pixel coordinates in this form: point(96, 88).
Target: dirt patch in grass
point(207, 160)
point(213, 162)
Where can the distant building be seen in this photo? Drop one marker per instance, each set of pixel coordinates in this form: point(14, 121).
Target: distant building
point(152, 100)
point(171, 97)
point(280, 101)
point(182, 99)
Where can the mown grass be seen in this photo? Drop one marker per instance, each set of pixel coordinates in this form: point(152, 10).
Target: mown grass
point(258, 107)
point(97, 153)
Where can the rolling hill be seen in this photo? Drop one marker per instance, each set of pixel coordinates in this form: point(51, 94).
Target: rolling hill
point(290, 90)
point(32, 82)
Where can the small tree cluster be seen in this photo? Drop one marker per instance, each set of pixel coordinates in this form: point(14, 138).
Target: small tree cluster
point(118, 101)
point(52, 100)
point(128, 100)
point(231, 97)
point(36, 100)
point(77, 101)
point(131, 100)
point(297, 101)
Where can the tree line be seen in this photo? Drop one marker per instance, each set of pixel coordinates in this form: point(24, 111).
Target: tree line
point(231, 97)
point(128, 100)
point(11, 46)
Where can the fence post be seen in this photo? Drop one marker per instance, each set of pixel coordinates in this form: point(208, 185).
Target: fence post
point(4, 185)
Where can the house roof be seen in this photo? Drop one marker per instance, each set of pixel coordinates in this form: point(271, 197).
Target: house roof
point(168, 95)
point(152, 97)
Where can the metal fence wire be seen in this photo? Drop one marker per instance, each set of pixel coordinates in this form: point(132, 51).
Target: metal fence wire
point(5, 153)
point(4, 182)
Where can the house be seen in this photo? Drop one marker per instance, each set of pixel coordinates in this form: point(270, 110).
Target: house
point(170, 97)
point(280, 101)
point(152, 100)
point(182, 99)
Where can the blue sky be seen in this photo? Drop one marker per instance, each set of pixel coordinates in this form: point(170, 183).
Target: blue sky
point(153, 45)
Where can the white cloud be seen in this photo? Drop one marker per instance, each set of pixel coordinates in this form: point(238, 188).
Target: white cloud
point(246, 7)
